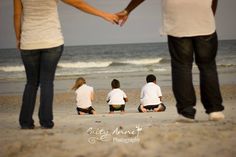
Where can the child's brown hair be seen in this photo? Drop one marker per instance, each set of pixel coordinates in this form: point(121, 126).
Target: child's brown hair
point(79, 82)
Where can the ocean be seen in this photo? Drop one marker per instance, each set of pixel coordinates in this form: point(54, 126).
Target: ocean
point(113, 59)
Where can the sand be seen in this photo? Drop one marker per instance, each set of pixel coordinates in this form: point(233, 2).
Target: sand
point(131, 134)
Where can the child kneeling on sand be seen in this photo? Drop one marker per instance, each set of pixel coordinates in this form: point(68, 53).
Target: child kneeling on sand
point(151, 96)
point(84, 97)
point(116, 98)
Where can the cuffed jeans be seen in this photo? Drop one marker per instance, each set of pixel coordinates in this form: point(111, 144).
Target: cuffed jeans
point(182, 51)
point(40, 66)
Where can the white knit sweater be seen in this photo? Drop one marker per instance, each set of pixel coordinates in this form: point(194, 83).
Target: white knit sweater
point(40, 25)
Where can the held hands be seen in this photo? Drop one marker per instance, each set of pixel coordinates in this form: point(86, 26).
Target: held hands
point(118, 18)
point(123, 16)
point(112, 18)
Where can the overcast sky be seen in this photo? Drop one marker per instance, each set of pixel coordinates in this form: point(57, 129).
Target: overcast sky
point(143, 25)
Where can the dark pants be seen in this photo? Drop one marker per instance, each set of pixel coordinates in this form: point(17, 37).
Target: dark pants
point(117, 108)
point(182, 51)
point(88, 110)
point(40, 66)
point(152, 107)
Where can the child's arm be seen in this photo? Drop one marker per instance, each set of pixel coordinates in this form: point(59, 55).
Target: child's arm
point(159, 93)
point(108, 97)
point(142, 93)
point(92, 96)
point(160, 97)
point(125, 97)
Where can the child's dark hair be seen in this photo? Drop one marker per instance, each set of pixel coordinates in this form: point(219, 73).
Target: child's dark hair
point(150, 78)
point(115, 83)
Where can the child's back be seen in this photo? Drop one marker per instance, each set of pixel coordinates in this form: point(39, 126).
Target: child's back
point(116, 98)
point(84, 97)
point(150, 97)
point(151, 94)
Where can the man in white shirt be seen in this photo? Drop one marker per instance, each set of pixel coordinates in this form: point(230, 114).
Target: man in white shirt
point(151, 96)
point(190, 26)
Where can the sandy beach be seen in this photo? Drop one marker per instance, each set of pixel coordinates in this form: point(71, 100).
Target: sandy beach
point(131, 134)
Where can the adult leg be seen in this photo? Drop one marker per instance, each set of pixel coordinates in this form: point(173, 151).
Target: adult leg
point(181, 51)
point(205, 52)
point(49, 60)
point(31, 61)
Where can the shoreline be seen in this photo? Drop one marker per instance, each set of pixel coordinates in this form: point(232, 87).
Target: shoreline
point(102, 81)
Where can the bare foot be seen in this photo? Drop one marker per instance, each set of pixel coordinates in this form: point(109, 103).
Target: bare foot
point(81, 113)
point(160, 108)
point(143, 109)
point(156, 110)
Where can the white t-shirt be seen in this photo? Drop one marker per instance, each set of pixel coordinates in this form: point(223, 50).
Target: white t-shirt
point(150, 94)
point(83, 96)
point(40, 25)
point(185, 18)
point(116, 97)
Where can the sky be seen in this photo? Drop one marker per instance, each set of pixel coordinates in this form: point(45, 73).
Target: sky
point(143, 25)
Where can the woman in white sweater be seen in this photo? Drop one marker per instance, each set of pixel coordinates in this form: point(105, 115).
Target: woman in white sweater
point(40, 40)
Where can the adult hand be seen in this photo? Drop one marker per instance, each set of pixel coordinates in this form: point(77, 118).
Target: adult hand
point(123, 16)
point(113, 18)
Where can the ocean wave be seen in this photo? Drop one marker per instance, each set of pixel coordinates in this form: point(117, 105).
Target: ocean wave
point(101, 64)
point(165, 60)
point(141, 61)
point(84, 72)
point(84, 64)
point(117, 64)
point(226, 65)
point(19, 68)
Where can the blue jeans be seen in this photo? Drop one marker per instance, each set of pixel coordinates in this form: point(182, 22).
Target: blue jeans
point(182, 51)
point(40, 66)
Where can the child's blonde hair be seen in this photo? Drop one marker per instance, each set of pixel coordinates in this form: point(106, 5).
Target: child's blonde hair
point(79, 82)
